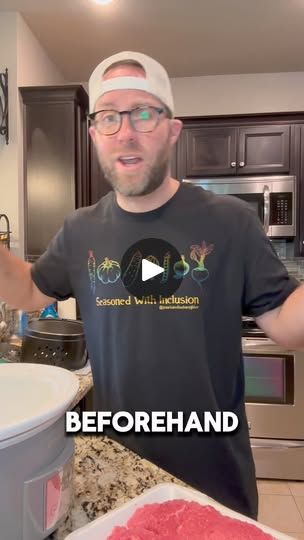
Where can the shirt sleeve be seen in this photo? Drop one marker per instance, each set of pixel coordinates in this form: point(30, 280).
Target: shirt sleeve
point(50, 272)
point(266, 281)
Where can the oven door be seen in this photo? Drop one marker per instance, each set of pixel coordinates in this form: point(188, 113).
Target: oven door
point(274, 394)
point(272, 198)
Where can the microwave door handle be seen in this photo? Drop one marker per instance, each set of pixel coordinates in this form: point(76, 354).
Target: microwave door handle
point(266, 194)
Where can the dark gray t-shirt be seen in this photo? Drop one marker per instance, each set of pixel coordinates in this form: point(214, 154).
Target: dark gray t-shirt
point(186, 357)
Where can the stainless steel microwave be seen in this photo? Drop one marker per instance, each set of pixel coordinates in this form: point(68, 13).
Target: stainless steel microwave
point(272, 197)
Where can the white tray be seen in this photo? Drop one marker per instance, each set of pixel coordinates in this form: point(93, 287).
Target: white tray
point(100, 528)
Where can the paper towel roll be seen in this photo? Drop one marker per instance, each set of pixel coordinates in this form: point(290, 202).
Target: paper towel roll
point(66, 309)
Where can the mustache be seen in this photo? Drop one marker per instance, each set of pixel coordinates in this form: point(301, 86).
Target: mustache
point(128, 146)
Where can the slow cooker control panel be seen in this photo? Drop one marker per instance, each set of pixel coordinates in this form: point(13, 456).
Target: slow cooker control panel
point(57, 496)
point(48, 496)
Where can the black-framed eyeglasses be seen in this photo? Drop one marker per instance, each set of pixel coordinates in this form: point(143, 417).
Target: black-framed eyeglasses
point(142, 119)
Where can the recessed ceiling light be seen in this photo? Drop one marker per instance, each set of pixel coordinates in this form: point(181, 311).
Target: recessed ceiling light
point(102, 2)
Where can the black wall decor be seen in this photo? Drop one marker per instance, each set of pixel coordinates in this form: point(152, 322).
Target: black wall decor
point(4, 104)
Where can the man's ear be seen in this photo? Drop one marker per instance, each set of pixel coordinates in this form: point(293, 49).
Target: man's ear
point(175, 129)
point(92, 133)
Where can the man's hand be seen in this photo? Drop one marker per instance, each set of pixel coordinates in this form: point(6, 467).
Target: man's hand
point(16, 285)
point(285, 324)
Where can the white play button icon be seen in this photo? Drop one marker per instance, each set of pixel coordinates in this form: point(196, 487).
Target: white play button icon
point(149, 270)
point(152, 268)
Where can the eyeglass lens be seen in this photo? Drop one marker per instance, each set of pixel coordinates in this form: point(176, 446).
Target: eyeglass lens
point(143, 119)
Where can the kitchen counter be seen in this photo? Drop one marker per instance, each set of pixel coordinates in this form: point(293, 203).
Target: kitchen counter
point(85, 384)
point(106, 476)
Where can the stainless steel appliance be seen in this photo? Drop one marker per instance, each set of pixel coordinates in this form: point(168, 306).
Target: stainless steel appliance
point(272, 197)
point(274, 380)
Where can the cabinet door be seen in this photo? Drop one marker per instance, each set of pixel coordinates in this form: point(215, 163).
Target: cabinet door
point(209, 151)
point(55, 161)
point(50, 190)
point(263, 149)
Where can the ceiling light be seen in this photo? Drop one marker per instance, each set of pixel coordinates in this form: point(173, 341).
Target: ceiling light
point(102, 2)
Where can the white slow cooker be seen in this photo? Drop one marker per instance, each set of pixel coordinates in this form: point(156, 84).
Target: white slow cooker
point(36, 455)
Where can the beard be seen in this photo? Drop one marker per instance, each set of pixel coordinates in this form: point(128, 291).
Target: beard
point(130, 185)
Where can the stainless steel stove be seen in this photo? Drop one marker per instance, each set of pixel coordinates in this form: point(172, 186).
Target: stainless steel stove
point(274, 404)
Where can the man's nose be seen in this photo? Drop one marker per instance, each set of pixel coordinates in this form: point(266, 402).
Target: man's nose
point(127, 131)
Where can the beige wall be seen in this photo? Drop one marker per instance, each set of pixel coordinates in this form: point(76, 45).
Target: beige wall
point(28, 65)
point(34, 67)
point(9, 197)
point(238, 94)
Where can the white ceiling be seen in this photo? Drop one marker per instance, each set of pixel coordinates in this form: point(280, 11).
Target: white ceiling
point(190, 37)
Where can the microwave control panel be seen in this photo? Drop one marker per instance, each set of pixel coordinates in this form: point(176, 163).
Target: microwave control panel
point(281, 209)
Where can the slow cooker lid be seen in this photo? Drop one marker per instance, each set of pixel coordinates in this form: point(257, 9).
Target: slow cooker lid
point(31, 395)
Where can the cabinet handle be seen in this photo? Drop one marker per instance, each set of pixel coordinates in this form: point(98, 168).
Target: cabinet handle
point(233, 163)
point(241, 164)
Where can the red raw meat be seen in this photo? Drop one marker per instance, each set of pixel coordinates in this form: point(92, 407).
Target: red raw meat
point(184, 520)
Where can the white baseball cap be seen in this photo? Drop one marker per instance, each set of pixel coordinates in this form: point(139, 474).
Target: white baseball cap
point(155, 82)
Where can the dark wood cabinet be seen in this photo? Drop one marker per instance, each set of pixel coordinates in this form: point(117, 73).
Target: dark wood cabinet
point(233, 150)
point(263, 149)
point(210, 151)
point(56, 166)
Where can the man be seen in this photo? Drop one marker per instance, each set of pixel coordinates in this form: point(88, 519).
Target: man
point(145, 358)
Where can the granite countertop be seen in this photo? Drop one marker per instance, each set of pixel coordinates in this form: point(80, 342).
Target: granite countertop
point(106, 476)
point(85, 384)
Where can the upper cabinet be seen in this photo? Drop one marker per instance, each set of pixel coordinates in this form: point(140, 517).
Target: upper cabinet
point(263, 149)
point(229, 150)
point(56, 164)
point(209, 151)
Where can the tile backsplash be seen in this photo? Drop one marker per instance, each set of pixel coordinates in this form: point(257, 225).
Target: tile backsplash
point(295, 267)
point(285, 251)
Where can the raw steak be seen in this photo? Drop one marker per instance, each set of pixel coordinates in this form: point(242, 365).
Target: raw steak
point(184, 520)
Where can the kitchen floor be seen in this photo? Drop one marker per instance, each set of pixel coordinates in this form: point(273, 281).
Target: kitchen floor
point(281, 506)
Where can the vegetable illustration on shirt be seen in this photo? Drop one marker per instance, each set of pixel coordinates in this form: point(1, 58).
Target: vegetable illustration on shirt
point(132, 270)
point(181, 268)
point(108, 271)
point(199, 254)
point(166, 266)
point(92, 270)
point(153, 260)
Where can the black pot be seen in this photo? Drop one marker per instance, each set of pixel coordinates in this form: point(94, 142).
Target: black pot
point(58, 342)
